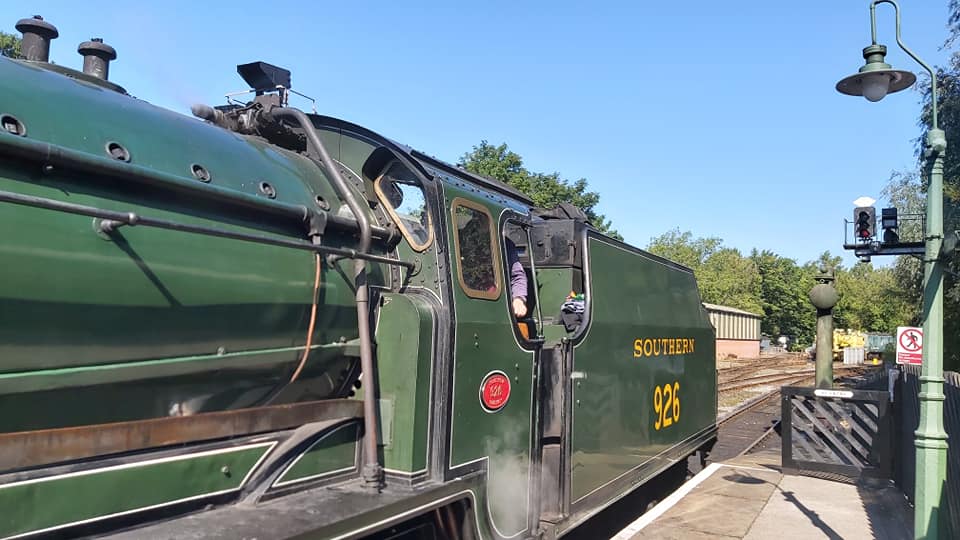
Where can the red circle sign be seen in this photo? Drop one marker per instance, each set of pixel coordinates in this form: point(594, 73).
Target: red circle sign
point(494, 391)
point(911, 340)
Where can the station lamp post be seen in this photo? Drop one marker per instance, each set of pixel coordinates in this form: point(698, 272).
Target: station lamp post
point(874, 81)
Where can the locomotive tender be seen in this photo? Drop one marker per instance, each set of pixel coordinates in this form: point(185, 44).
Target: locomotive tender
point(271, 324)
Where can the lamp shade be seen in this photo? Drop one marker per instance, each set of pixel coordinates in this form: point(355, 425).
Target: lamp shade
point(869, 83)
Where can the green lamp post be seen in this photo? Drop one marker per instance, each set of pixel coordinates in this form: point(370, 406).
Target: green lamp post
point(874, 81)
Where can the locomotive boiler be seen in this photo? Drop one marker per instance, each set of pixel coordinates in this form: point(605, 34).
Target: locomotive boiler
point(258, 322)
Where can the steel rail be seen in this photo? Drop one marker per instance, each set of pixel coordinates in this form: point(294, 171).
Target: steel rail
point(763, 379)
point(749, 405)
point(770, 378)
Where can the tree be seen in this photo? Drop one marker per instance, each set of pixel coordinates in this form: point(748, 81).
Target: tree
point(9, 45)
point(784, 287)
point(905, 192)
point(871, 300)
point(546, 190)
point(730, 279)
point(826, 259)
point(723, 274)
point(682, 248)
point(948, 89)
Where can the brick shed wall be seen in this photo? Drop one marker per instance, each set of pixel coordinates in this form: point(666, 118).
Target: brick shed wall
point(742, 348)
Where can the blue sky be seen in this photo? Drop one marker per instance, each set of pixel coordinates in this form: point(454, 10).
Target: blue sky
point(719, 118)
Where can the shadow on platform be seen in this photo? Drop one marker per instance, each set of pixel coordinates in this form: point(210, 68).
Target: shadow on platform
point(749, 498)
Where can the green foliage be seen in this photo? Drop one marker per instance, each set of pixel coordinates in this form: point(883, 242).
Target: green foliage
point(683, 248)
point(905, 192)
point(777, 288)
point(546, 190)
point(948, 89)
point(783, 292)
point(730, 279)
point(724, 275)
point(827, 260)
point(871, 300)
point(9, 45)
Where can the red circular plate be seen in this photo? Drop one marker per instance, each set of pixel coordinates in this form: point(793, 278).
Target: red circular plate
point(494, 391)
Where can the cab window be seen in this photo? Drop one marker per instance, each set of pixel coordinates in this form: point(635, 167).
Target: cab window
point(518, 265)
point(403, 198)
point(476, 252)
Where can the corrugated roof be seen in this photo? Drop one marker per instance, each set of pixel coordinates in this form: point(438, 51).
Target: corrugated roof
point(728, 309)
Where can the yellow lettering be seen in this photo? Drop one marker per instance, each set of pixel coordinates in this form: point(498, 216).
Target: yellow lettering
point(663, 346)
point(666, 405)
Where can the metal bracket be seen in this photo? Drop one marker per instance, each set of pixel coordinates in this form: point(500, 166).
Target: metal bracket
point(950, 246)
point(316, 223)
point(417, 266)
point(865, 250)
point(106, 227)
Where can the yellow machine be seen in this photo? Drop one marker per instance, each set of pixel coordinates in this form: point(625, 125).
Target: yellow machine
point(843, 338)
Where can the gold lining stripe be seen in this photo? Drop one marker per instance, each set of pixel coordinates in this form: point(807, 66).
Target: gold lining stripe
point(418, 247)
point(494, 249)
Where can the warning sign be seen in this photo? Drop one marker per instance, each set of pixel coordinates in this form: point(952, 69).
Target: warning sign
point(909, 345)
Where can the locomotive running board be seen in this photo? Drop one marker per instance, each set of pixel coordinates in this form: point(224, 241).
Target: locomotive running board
point(43, 447)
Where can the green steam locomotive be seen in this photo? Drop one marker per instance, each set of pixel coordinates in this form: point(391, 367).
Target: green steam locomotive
point(262, 323)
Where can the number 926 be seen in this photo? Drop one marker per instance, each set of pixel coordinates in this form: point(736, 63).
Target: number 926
point(666, 405)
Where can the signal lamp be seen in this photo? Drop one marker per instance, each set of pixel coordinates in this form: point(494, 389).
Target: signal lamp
point(888, 218)
point(864, 222)
point(888, 221)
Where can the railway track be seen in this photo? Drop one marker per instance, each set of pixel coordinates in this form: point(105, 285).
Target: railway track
point(743, 427)
point(739, 370)
point(774, 378)
point(781, 378)
point(747, 426)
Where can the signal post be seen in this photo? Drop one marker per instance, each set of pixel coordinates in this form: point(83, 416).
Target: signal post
point(874, 81)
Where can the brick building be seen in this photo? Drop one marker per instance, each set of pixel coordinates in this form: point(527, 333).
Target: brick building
point(738, 331)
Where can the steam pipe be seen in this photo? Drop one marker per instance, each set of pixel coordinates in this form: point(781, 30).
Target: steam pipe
point(111, 220)
point(55, 156)
point(372, 470)
point(208, 113)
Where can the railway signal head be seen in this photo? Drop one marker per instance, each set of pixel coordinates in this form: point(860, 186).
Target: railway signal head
point(864, 223)
point(888, 222)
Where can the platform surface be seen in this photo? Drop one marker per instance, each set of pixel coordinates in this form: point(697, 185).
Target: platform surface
point(749, 498)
